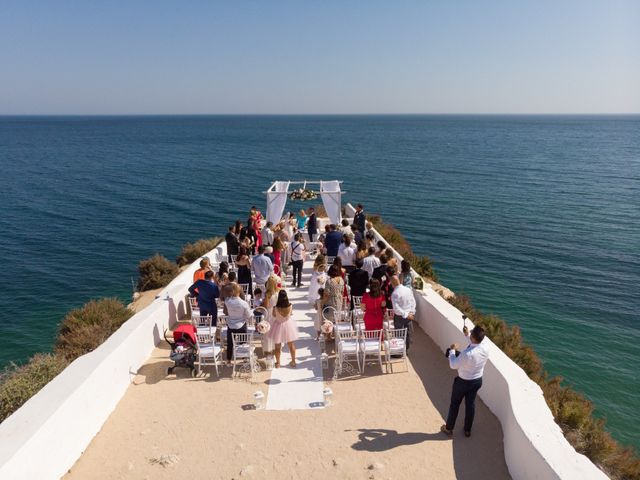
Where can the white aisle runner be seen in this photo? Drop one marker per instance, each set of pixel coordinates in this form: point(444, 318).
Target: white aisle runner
point(299, 388)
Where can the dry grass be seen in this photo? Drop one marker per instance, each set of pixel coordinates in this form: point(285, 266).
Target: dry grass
point(156, 272)
point(192, 251)
point(19, 383)
point(84, 329)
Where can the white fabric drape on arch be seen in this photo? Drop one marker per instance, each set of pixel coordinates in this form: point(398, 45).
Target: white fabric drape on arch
point(276, 201)
point(332, 200)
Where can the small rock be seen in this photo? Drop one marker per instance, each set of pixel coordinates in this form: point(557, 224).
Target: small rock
point(130, 466)
point(165, 460)
point(375, 466)
point(241, 446)
point(247, 471)
point(335, 462)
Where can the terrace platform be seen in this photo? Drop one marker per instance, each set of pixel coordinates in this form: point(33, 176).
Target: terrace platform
point(379, 425)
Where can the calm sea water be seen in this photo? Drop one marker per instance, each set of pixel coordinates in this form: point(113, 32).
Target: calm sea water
point(536, 218)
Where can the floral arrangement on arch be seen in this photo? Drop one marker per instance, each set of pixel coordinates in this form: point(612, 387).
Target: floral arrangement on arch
point(303, 194)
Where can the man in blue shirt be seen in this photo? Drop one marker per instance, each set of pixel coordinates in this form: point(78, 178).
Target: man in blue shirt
point(332, 241)
point(207, 292)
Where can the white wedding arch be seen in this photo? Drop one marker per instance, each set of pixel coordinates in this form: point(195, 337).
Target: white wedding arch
point(330, 192)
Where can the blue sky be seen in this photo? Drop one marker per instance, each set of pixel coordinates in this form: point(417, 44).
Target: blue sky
point(92, 57)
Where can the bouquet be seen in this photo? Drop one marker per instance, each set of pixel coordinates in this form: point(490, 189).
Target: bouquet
point(326, 327)
point(263, 327)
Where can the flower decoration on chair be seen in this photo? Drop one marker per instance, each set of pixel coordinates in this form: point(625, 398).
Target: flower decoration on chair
point(303, 194)
point(327, 328)
point(263, 327)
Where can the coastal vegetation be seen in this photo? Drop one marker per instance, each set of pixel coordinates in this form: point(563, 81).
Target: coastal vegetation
point(82, 330)
point(19, 383)
point(156, 272)
point(192, 251)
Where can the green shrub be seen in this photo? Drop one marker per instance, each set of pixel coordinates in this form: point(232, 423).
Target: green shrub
point(193, 251)
point(19, 384)
point(155, 272)
point(84, 329)
point(570, 409)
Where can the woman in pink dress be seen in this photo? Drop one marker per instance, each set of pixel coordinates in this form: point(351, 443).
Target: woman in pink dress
point(283, 328)
point(373, 304)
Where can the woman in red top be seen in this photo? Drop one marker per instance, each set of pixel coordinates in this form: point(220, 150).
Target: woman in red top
point(278, 247)
point(373, 304)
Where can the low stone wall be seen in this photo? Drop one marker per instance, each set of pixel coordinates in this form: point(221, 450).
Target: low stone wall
point(534, 445)
point(44, 438)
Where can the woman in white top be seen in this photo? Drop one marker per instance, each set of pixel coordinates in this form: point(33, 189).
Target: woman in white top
point(318, 278)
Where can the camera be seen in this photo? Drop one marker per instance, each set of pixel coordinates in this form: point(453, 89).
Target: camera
point(446, 354)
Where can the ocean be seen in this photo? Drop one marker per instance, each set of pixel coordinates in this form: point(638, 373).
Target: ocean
point(536, 218)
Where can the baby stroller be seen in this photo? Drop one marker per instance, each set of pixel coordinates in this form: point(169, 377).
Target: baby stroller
point(183, 348)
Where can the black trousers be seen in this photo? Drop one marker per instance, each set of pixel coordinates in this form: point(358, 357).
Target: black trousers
point(297, 271)
point(214, 315)
point(399, 322)
point(242, 329)
point(467, 390)
point(311, 235)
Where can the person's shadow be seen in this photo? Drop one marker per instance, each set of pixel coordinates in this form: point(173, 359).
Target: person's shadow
point(380, 439)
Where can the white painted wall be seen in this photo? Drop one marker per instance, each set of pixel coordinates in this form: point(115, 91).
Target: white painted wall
point(44, 438)
point(534, 446)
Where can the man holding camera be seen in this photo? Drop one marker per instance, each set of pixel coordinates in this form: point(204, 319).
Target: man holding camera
point(470, 365)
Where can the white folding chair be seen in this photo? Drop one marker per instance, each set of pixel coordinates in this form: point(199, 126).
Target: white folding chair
point(208, 351)
point(203, 323)
point(346, 349)
point(357, 301)
point(232, 261)
point(246, 290)
point(395, 344)
point(222, 330)
point(370, 344)
point(195, 309)
point(243, 350)
point(388, 319)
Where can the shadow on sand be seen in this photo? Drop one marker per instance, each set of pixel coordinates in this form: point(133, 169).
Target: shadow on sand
point(380, 439)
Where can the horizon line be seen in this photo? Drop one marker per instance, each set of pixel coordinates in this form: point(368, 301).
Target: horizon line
point(312, 114)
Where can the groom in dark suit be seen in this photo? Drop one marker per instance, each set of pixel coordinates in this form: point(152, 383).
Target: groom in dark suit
point(312, 224)
point(360, 219)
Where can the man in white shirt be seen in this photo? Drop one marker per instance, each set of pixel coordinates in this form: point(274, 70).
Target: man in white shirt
point(404, 306)
point(370, 262)
point(238, 312)
point(267, 234)
point(470, 365)
point(347, 253)
point(297, 259)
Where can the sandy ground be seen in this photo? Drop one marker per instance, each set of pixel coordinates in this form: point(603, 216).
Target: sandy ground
point(379, 426)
